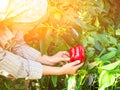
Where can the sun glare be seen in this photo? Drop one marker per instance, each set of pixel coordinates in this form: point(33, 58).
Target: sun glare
point(3, 4)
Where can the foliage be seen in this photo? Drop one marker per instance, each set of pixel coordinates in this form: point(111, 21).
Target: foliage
point(93, 23)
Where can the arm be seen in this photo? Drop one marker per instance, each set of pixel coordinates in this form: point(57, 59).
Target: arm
point(24, 50)
point(28, 52)
point(22, 68)
point(60, 57)
point(18, 66)
point(69, 68)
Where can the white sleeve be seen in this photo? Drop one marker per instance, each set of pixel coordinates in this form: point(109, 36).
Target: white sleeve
point(26, 51)
point(19, 67)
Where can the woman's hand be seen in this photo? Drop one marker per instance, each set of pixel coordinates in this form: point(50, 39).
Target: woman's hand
point(60, 57)
point(71, 68)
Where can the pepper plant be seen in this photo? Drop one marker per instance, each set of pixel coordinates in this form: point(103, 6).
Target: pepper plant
point(95, 25)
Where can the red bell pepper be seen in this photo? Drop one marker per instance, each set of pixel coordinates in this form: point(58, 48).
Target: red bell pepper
point(72, 54)
point(77, 53)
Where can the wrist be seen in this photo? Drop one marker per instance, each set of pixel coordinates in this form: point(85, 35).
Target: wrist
point(41, 59)
point(46, 60)
point(61, 71)
point(50, 70)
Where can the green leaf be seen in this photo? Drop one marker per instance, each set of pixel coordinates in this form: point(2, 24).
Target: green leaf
point(97, 24)
point(93, 64)
point(91, 40)
point(112, 49)
point(60, 45)
point(101, 4)
point(71, 83)
point(108, 56)
point(7, 86)
point(106, 79)
point(45, 42)
point(107, 6)
point(113, 40)
point(102, 52)
point(84, 41)
point(90, 54)
point(80, 82)
point(82, 73)
point(98, 46)
point(111, 30)
point(54, 80)
point(111, 66)
point(107, 20)
point(118, 32)
point(118, 46)
point(103, 39)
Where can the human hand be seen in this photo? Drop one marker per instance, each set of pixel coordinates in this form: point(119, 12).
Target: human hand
point(71, 68)
point(62, 56)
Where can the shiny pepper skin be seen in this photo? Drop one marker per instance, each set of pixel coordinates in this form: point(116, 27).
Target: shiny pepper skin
point(77, 53)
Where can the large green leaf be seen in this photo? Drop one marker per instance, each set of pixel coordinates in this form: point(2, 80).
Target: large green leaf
point(111, 66)
point(108, 56)
point(54, 80)
point(45, 42)
point(71, 83)
point(106, 79)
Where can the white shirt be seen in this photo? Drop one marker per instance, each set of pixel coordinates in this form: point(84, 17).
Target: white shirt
point(22, 64)
point(20, 15)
